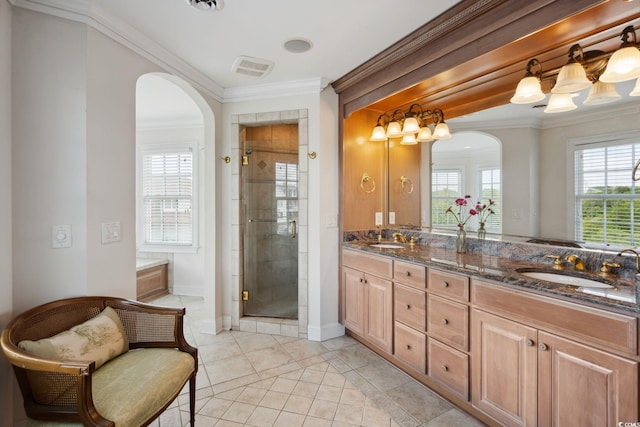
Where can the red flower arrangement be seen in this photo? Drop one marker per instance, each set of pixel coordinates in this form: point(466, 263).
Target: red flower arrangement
point(460, 216)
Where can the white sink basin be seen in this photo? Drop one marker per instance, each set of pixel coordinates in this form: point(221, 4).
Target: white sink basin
point(386, 246)
point(566, 280)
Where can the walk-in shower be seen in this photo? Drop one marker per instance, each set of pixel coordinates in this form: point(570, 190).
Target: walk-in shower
point(270, 175)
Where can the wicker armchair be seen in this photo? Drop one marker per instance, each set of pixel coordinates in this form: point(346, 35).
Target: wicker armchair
point(43, 380)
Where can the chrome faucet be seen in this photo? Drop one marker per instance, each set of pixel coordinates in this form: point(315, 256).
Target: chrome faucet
point(637, 258)
point(399, 237)
point(577, 262)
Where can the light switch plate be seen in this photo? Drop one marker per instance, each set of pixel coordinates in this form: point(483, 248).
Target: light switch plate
point(392, 218)
point(61, 236)
point(378, 218)
point(111, 232)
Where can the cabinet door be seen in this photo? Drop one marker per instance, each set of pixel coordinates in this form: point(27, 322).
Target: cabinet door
point(379, 312)
point(504, 374)
point(354, 305)
point(582, 386)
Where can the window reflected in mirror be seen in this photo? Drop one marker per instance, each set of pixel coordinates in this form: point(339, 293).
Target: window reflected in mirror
point(467, 164)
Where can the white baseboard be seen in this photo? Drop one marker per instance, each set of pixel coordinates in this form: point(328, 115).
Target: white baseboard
point(325, 332)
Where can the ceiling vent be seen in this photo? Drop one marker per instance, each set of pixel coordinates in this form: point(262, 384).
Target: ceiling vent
point(253, 67)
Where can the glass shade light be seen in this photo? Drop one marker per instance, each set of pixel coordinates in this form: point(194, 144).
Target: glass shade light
point(379, 134)
point(409, 139)
point(572, 78)
point(528, 91)
point(602, 93)
point(424, 134)
point(441, 131)
point(636, 89)
point(411, 125)
point(560, 102)
point(623, 65)
point(394, 130)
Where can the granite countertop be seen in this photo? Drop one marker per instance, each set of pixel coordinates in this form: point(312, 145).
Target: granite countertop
point(505, 270)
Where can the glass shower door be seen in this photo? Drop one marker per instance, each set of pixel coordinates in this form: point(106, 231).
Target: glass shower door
point(270, 195)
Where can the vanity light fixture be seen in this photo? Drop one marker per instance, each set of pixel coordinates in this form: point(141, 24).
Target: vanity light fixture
point(572, 76)
point(594, 69)
point(411, 126)
point(529, 88)
point(624, 64)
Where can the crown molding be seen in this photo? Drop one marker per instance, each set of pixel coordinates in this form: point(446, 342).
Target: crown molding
point(275, 90)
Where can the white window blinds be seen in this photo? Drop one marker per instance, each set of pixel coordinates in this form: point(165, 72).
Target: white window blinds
point(167, 192)
point(490, 181)
point(446, 187)
point(607, 200)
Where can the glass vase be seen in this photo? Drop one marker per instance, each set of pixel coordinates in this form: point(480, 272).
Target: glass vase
point(461, 240)
point(482, 232)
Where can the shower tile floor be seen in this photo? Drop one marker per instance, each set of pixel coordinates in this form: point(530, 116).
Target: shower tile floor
point(251, 379)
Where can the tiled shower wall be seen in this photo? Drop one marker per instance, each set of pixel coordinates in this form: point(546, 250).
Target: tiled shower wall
point(273, 326)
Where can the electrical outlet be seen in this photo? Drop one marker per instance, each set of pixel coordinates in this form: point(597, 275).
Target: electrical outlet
point(378, 218)
point(111, 232)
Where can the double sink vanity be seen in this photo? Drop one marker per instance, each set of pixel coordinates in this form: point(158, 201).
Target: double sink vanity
point(506, 336)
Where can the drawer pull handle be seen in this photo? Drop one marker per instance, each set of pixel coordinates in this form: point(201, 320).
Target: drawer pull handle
point(529, 342)
point(408, 306)
point(408, 273)
point(361, 280)
point(445, 284)
point(543, 347)
point(445, 368)
point(444, 321)
point(408, 346)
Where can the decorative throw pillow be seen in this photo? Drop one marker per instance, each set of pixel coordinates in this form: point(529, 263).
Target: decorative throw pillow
point(99, 339)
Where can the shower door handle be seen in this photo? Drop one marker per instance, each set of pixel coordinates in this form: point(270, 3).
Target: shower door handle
point(292, 229)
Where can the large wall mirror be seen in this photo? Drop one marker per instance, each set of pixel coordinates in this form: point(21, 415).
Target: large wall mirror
point(471, 72)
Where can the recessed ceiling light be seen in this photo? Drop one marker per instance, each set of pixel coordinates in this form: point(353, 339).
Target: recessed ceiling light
point(297, 45)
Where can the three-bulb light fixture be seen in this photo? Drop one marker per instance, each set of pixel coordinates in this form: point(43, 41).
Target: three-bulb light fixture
point(622, 65)
point(411, 126)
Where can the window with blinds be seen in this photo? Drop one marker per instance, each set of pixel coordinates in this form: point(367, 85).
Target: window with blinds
point(446, 187)
point(286, 195)
point(607, 200)
point(167, 191)
point(490, 183)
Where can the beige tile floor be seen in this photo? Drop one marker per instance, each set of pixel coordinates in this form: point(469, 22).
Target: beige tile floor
point(249, 379)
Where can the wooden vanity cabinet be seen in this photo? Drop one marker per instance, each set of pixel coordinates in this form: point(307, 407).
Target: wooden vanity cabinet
point(410, 319)
point(526, 374)
point(368, 297)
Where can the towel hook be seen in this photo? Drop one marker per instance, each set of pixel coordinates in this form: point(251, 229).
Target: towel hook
point(407, 185)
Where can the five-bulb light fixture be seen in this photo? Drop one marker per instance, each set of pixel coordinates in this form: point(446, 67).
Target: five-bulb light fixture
point(622, 65)
point(411, 126)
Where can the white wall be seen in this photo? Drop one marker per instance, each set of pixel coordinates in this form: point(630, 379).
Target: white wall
point(520, 148)
point(49, 157)
point(6, 291)
point(323, 236)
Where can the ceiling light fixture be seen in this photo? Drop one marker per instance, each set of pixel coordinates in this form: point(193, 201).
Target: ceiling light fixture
point(297, 45)
point(411, 126)
point(204, 4)
point(594, 69)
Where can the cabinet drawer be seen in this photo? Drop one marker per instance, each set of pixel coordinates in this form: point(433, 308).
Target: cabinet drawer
point(448, 321)
point(410, 274)
point(409, 306)
point(450, 285)
point(372, 264)
point(606, 330)
point(449, 367)
point(410, 347)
